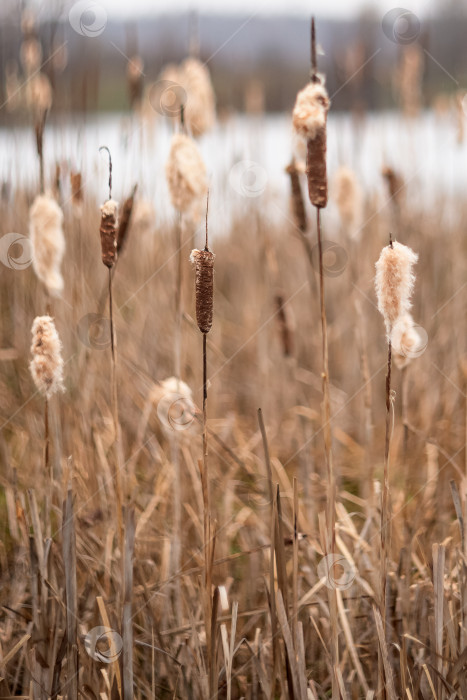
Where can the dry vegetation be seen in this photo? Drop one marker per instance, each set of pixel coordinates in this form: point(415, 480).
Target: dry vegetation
point(71, 560)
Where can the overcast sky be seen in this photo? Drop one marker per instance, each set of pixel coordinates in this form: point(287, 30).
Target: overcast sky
point(329, 8)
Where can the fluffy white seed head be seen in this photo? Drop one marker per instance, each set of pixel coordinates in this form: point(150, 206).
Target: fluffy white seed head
point(186, 176)
point(394, 282)
point(47, 241)
point(311, 107)
point(349, 200)
point(200, 108)
point(47, 364)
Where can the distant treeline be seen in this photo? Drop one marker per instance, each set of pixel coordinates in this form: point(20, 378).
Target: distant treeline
point(359, 58)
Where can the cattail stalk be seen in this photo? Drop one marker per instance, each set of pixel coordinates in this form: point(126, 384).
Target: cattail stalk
point(108, 231)
point(204, 294)
point(394, 283)
point(309, 120)
point(47, 371)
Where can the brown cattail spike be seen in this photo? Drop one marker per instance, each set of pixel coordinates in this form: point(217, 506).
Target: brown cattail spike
point(316, 169)
point(298, 205)
point(204, 285)
point(108, 230)
point(285, 329)
point(124, 224)
point(76, 181)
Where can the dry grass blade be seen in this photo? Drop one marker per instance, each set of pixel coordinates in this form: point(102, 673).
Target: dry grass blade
point(69, 562)
point(127, 619)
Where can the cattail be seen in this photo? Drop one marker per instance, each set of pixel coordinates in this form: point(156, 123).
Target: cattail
point(405, 340)
point(200, 107)
point(30, 55)
point(298, 205)
point(285, 326)
point(108, 231)
point(125, 218)
point(254, 97)
point(204, 262)
point(395, 184)
point(186, 175)
point(134, 74)
point(394, 282)
point(47, 364)
point(39, 94)
point(348, 194)
point(47, 241)
point(309, 121)
point(409, 79)
point(76, 183)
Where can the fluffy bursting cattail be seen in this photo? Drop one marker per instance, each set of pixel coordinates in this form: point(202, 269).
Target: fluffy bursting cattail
point(309, 121)
point(108, 230)
point(298, 205)
point(204, 285)
point(47, 364)
point(47, 241)
point(406, 341)
point(394, 282)
point(186, 176)
point(200, 109)
point(349, 200)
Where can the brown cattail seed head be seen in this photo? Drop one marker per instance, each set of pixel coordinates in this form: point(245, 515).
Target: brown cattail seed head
point(108, 231)
point(395, 184)
point(204, 285)
point(285, 326)
point(76, 183)
point(394, 282)
point(298, 205)
point(309, 121)
point(47, 364)
point(134, 75)
point(124, 224)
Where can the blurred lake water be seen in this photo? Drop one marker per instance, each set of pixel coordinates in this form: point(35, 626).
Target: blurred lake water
point(245, 158)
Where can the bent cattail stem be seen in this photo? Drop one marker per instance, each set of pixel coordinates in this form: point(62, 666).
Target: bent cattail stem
point(298, 205)
point(108, 231)
point(204, 284)
point(125, 219)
